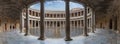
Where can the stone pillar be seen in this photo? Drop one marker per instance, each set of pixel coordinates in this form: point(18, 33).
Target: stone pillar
point(27, 22)
point(49, 24)
point(41, 21)
point(73, 24)
point(38, 24)
point(56, 24)
point(63, 24)
point(85, 22)
point(31, 24)
point(46, 25)
point(31, 27)
point(70, 24)
point(34, 24)
point(80, 23)
point(68, 38)
point(92, 22)
point(77, 23)
point(21, 22)
point(60, 24)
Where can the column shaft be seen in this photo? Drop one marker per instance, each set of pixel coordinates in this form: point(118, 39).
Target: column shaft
point(21, 22)
point(27, 22)
point(92, 22)
point(85, 23)
point(67, 22)
point(41, 21)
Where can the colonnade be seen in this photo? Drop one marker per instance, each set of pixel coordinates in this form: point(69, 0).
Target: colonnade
point(56, 15)
point(61, 24)
point(66, 22)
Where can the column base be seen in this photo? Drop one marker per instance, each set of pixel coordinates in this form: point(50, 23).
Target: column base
point(92, 31)
point(41, 38)
point(85, 35)
point(118, 31)
point(20, 32)
point(68, 39)
point(25, 34)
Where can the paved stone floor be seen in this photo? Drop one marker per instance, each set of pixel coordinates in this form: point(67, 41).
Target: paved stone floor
point(56, 32)
point(99, 37)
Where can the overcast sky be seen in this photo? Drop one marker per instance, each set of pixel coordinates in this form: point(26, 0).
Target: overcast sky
point(56, 5)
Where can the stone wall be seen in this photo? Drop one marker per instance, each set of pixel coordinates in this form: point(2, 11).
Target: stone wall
point(113, 11)
point(7, 24)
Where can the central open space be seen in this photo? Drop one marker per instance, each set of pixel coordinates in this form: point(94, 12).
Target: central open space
point(55, 19)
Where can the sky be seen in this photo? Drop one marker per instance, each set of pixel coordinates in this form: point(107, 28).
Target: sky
point(56, 5)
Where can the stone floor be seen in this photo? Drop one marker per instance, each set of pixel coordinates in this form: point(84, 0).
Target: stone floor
point(54, 32)
point(99, 37)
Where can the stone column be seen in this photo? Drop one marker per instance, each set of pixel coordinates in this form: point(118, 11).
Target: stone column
point(21, 22)
point(41, 20)
point(85, 22)
point(49, 24)
point(80, 23)
point(56, 24)
point(35, 24)
point(31, 24)
point(46, 25)
point(74, 23)
point(60, 24)
point(77, 23)
point(68, 38)
point(38, 24)
point(27, 22)
point(70, 24)
point(63, 25)
point(92, 22)
point(31, 27)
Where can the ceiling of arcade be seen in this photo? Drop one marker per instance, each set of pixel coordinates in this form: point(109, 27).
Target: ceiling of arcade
point(12, 8)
